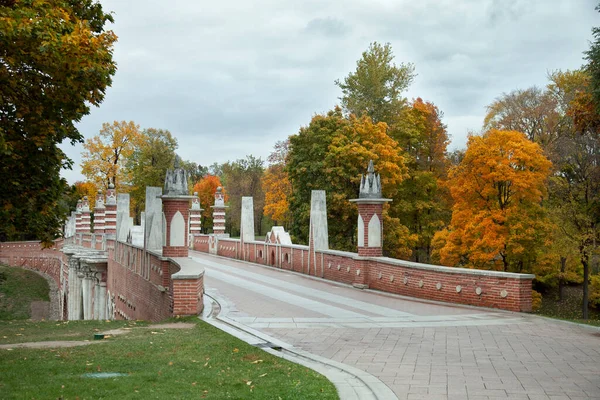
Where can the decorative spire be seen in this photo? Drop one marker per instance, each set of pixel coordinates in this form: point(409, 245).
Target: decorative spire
point(219, 198)
point(176, 181)
point(370, 184)
point(196, 202)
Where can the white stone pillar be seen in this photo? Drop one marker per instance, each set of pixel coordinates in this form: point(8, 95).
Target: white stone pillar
point(102, 312)
point(77, 296)
point(87, 295)
point(71, 289)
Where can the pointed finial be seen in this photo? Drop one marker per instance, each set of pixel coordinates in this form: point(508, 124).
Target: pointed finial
point(111, 186)
point(176, 163)
point(370, 169)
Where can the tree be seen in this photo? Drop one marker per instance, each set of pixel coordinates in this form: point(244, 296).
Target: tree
point(423, 201)
point(575, 186)
point(243, 178)
point(375, 88)
point(55, 61)
point(106, 155)
point(531, 111)
point(497, 220)
point(206, 188)
point(277, 187)
point(331, 154)
point(593, 65)
point(148, 164)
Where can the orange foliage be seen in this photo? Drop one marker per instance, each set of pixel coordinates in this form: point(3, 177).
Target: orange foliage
point(497, 220)
point(277, 188)
point(206, 188)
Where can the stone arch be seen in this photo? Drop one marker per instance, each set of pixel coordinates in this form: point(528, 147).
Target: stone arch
point(374, 231)
point(177, 230)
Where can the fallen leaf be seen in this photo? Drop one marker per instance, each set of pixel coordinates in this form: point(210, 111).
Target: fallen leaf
point(256, 362)
point(236, 350)
point(249, 383)
point(260, 376)
point(170, 362)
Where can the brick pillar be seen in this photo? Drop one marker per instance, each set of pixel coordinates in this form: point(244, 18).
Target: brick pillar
point(195, 218)
point(219, 212)
point(370, 214)
point(99, 214)
point(110, 218)
point(371, 218)
point(176, 210)
point(78, 228)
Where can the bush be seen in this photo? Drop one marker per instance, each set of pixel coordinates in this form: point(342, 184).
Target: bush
point(536, 300)
point(595, 292)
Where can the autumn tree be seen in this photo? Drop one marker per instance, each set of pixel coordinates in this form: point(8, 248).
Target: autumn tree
point(277, 187)
point(148, 163)
point(497, 221)
point(576, 185)
point(206, 187)
point(375, 88)
point(55, 62)
point(107, 154)
point(330, 154)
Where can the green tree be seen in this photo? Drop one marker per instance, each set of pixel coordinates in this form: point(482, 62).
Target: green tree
point(55, 61)
point(330, 154)
point(243, 178)
point(423, 202)
point(593, 65)
point(148, 164)
point(375, 88)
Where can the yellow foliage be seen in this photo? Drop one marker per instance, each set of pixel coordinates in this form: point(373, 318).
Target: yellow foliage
point(497, 218)
point(105, 157)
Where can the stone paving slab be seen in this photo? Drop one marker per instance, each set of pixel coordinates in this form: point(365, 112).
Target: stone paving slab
point(425, 350)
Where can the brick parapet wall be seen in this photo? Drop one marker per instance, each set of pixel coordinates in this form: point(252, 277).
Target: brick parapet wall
point(139, 282)
point(188, 287)
point(497, 289)
point(31, 255)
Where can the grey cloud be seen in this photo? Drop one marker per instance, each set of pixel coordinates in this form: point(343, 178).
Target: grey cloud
point(231, 78)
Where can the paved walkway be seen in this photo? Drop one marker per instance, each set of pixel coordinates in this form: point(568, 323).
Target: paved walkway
point(420, 350)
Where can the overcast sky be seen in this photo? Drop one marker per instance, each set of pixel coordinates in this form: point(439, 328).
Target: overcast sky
point(230, 78)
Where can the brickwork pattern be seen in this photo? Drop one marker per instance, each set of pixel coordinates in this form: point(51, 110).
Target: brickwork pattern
point(462, 288)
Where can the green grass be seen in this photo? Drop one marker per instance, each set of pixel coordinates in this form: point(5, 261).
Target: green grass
point(18, 288)
point(569, 308)
point(201, 362)
point(40, 331)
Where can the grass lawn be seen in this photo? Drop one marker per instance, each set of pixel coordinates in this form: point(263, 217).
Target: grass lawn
point(201, 362)
point(18, 288)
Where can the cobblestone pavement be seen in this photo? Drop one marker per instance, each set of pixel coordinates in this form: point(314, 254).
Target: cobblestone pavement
point(420, 350)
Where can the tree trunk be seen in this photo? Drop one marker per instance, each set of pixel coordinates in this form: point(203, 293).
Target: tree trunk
point(586, 278)
point(561, 281)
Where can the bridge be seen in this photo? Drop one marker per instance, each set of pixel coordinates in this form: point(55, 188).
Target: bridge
point(378, 328)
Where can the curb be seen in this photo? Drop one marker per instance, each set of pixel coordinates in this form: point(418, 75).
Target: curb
point(351, 383)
